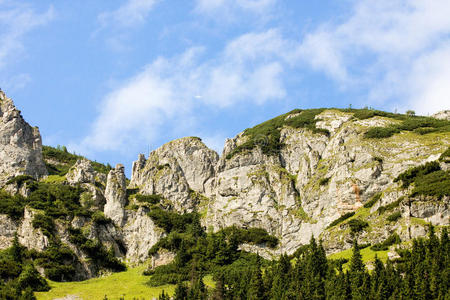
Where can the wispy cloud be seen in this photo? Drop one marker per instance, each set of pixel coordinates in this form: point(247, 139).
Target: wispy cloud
point(396, 49)
point(169, 89)
point(16, 20)
point(228, 8)
point(132, 13)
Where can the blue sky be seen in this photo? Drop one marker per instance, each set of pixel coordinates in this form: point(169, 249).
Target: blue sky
point(111, 79)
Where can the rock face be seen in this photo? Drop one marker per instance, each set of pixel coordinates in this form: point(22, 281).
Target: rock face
point(175, 170)
point(115, 194)
point(442, 115)
point(20, 144)
point(312, 180)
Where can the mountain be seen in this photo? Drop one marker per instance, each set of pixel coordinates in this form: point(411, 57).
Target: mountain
point(341, 175)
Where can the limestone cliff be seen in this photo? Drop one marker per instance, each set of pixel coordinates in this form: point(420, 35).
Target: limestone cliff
point(313, 179)
point(20, 144)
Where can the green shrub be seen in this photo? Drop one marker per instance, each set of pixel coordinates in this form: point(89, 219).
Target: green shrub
point(267, 135)
point(390, 206)
point(436, 184)
point(66, 160)
point(380, 132)
point(20, 179)
point(410, 175)
point(445, 156)
point(95, 250)
point(45, 223)
point(373, 200)
point(357, 225)
point(58, 262)
point(394, 217)
point(341, 219)
point(30, 277)
point(150, 199)
point(391, 240)
point(324, 181)
point(99, 218)
point(13, 206)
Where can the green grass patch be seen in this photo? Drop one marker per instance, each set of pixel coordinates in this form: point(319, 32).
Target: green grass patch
point(267, 135)
point(382, 209)
point(445, 156)
point(394, 217)
point(368, 256)
point(129, 284)
point(393, 239)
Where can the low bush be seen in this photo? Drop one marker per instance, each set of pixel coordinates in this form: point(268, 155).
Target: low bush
point(324, 181)
point(410, 175)
point(341, 219)
point(373, 200)
point(13, 206)
point(150, 199)
point(45, 223)
point(20, 179)
point(394, 217)
point(357, 225)
point(391, 240)
point(380, 132)
point(445, 156)
point(390, 206)
point(99, 218)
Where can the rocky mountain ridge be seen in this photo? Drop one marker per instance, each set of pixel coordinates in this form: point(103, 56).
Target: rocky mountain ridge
point(293, 176)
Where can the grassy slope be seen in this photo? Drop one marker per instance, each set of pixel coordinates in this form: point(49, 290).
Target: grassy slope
point(130, 283)
point(368, 255)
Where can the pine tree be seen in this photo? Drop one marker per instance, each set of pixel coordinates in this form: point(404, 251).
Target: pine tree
point(281, 278)
point(256, 290)
point(357, 274)
point(180, 291)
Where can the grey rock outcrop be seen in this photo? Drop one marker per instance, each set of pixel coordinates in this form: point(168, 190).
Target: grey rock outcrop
point(81, 172)
point(115, 194)
point(442, 115)
point(174, 170)
point(20, 144)
point(312, 180)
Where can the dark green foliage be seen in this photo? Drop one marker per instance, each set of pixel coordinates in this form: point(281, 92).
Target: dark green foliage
point(20, 179)
point(428, 180)
point(95, 250)
point(419, 273)
point(13, 206)
point(30, 278)
point(393, 239)
point(380, 132)
point(357, 225)
point(169, 220)
point(445, 156)
point(362, 114)
point(45, 223)
point(373, 200)
point(420, 125)
point(341, 219)
point(66, 160)
point(394, 217)
point(267, 135)
point(436, 184)
point(409, 176)
point(99, 218)
point(149, 199)
point(18, 276)
point(255, 236)
point(58, 262)
point(390, 206)
point(324, 181)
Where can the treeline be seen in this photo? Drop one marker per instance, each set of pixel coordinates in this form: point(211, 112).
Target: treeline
point(422, 272)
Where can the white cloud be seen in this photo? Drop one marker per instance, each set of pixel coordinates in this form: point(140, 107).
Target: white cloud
point(16, 20)
point(166, 93)
point(227, 8)
point(390, 48)
point(130, 14)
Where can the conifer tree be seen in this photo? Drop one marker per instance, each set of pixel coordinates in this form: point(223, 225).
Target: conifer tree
point(357, 274)
point(256, 290)
point(180, 291)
